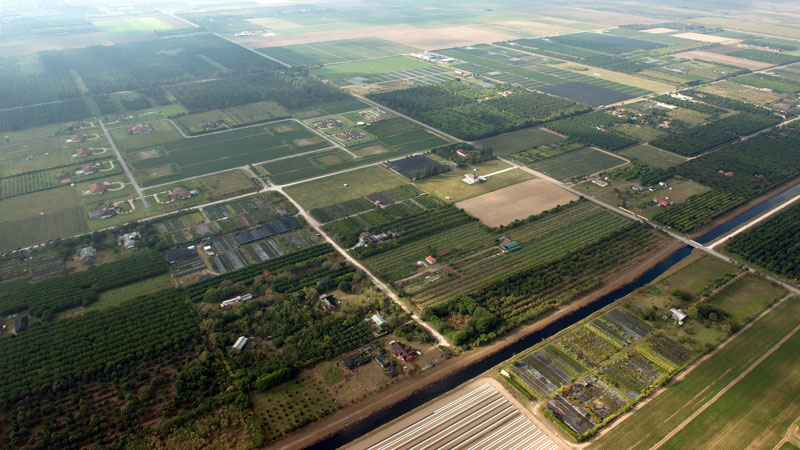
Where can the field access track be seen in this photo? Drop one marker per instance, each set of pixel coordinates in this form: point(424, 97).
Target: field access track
point(475, 419)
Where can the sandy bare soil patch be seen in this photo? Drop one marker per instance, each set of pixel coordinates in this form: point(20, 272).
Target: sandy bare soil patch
point(303, 142)
point(519, 201)
point(369, 151)
point(529, 28)
point(725, 59)
point(147, 154)
point(707, 38)
point(321, 36)
point(659, 30)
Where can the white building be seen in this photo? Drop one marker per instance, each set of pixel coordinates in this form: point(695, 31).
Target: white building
point(240, 343)
point(472, 178)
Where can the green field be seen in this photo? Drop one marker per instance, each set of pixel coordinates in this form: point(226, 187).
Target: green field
point(450, 184)
point(520, 140)
point(653, 156)
point(211, 153)
point(345, 186)
point(578, 163)
point(233, 117)
point(747, 297)
point(120, 295)
point(162, 132)
point(338, 51)
point(760, 406)
point(371, 67)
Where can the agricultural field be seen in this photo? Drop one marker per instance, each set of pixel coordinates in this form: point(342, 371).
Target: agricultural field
point(373, 202)
point(515, 202)
point(595, 128)
point(451, 187)
point(127, 25)
point(704, 137)
point(336, 51)
point(529, 71)
point(577, 164)
point(743, 93)
point(343, 187)
point(162, 131)
point(508, 143)
point(749, 411)
point(176, 159)
point(353, 70)
point(235, 117)
point(619, 192)
point(652, 156)
point(40, 217)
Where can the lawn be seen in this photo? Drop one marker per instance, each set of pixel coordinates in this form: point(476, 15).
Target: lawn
point(185, 158)
point(520, 140)
point(344, 186)
point(747, 297)
point(450, 184)
point(653, 156)
point(118, 296)
point(163, 131)
point(213, 187)
point(370, 67)
point(746, 411)
point(576, 164)
point(337, 51)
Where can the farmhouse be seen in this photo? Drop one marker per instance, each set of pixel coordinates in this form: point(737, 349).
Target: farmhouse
point(402, 351)
point(88, 169)
point(235, 300)
point(663, 202)
point(86, 253)
point(141, 129)
point(328, 302)
point(213, 125)
point(97, 188)
point(104, 211)
point(472, 178)
point(462, 152)
point(430, 259)
point(78, 137)
point(20, 324)
point(599, 182)
point(180, 193)
point(240, 343)
point(128, 240)
point(83, 152)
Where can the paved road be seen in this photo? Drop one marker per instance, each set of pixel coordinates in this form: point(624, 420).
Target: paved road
point(124, 165)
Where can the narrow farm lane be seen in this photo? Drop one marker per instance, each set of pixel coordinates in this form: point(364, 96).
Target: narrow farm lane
point(377, 282)
point(124, 165)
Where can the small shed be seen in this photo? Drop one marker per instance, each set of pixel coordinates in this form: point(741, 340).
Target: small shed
point(378, 320)
point(512, 246)
point(678, 314)
point(240, 343)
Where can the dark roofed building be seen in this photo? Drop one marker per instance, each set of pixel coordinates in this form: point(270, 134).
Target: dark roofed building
point(20, 324)
point(180, 193)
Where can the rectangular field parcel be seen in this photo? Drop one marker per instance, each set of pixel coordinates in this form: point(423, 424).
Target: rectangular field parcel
point(185, 158)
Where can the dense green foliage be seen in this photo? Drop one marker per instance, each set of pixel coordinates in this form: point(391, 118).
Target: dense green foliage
point(698, 139)
point(774, 155)
point(698, 210)
point(645, 173)
point(472, 113)
point(289, 90)
point(593, 129)
point(50, 358)
point(727, 103)
point(51, 296)
point(694, 106)
point(773, 244)
point(34, 116)
point(476, 155)
point(768, 57)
